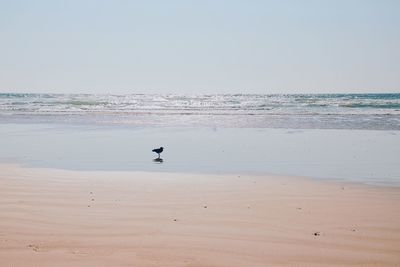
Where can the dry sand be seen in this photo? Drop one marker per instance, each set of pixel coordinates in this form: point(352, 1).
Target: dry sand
point(75, 218)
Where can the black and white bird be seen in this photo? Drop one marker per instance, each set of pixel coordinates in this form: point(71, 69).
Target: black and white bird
point(158, 151)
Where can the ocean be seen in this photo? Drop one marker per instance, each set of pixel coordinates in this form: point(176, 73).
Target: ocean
point(346, 137)
point(294, 111)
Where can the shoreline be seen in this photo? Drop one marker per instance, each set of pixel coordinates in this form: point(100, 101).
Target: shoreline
point(334, 181)
point(52, 217)
point(349, 155)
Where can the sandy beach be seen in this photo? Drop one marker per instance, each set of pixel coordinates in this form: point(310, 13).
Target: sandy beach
point(200, 133)
point(52, 217)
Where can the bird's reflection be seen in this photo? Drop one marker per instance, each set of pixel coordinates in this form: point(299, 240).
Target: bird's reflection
point(158, 160)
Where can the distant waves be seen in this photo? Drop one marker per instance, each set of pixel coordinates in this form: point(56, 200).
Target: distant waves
point(316, 111)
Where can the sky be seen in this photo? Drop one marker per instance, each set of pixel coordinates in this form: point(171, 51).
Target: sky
point(204, 46)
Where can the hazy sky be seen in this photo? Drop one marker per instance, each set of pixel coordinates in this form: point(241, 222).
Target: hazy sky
point(185, 46)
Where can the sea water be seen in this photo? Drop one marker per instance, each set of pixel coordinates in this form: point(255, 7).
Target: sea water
point(302, 111)
point(346, 137)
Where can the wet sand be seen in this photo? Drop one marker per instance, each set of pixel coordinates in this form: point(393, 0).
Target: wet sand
point(349, 155)
point(52, 217)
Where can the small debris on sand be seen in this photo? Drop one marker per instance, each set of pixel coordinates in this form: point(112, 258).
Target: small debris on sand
point(33, 247)
point(317, 233)
point(205, 207)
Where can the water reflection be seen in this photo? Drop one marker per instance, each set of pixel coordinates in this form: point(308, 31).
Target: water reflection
point(158, 160)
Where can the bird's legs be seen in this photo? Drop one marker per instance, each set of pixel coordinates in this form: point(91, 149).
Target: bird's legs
point(158, 155)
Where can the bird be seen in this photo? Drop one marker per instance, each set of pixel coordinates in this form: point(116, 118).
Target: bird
point(158, 151)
